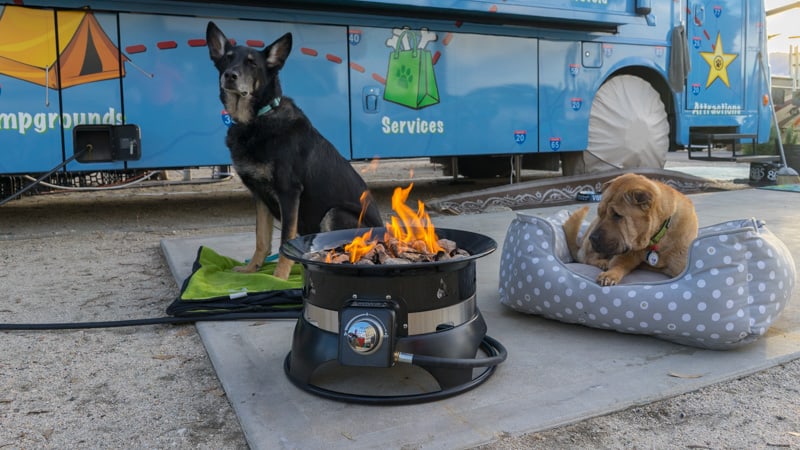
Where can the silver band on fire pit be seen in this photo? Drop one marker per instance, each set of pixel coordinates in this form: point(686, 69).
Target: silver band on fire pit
point(418, 322)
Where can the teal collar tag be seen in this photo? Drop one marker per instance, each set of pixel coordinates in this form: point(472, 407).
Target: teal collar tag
point(269, 107)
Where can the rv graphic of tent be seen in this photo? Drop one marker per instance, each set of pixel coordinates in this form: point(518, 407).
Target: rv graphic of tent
point(82, 52)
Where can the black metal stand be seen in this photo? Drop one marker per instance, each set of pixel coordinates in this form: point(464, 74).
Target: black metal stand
point(312, 347)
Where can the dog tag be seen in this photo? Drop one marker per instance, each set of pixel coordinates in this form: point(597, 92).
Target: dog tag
point(652, 257)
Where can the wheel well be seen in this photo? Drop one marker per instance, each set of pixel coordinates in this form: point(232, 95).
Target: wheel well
point(663, 89)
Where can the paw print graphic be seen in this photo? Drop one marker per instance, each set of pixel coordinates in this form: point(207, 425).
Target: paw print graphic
point(410, 80)
point(404, 76)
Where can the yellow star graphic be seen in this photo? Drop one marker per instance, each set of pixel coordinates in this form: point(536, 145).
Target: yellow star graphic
point(718, 62)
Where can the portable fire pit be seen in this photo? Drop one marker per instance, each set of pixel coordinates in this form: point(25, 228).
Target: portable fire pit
point(382, 315)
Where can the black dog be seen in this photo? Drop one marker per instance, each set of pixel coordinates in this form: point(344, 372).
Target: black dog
point(293, 172)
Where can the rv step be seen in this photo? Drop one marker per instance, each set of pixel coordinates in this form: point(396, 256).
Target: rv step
point(709, 139)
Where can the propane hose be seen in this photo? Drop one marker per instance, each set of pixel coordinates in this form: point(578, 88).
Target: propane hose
point(456, 363)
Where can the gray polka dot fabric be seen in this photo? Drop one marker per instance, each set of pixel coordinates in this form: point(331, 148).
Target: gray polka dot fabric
point(738, 281)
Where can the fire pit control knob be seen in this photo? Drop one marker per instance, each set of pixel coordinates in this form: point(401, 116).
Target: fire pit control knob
point(364, 334)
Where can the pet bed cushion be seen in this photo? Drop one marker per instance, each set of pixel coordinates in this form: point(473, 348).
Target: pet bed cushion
point(738, 281)
point(214, 288)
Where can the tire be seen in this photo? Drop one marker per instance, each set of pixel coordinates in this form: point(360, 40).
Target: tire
point(628, 127)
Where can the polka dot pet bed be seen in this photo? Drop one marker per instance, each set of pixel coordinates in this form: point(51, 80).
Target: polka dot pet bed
point(739, 279)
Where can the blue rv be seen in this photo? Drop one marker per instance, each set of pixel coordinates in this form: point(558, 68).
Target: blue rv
point(571, 85)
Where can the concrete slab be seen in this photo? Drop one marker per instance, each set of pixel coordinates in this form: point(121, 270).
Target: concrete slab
point(555, 373)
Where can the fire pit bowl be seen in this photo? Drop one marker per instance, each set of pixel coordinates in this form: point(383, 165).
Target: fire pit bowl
point(377, 316)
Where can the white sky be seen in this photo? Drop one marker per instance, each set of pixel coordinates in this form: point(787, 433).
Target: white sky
point(786, 23)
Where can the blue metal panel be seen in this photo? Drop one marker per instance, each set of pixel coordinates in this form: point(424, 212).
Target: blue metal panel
point(170, 91)
point(30, 137)
point(717, 57)
point(565, 97)
point(494, 82)
point(590, 11)
point(174, 96)
point(29, 127)
point(93, 103)
point(726, 84)
point(485, 100)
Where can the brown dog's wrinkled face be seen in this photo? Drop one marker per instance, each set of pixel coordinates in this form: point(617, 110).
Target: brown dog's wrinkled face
point(639, 222)
point(626, 216)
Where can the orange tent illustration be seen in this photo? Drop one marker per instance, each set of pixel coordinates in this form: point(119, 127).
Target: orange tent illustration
point(80, 53)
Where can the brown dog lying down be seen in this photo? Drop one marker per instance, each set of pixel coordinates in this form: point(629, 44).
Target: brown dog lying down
point(639, 222)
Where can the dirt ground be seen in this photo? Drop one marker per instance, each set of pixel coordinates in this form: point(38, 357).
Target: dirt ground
point(93, 256)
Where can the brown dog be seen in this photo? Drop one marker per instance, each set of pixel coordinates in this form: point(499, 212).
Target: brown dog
point(639, 222)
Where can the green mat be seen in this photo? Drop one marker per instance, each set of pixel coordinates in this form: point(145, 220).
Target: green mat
point(782, 187)
point(214, 288)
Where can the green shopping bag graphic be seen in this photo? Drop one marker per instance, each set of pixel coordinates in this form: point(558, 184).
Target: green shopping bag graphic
point(410, 80)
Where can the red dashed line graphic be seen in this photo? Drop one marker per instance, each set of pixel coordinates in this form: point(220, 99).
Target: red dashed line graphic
point(699, 23)
point(168, 45)
point(139, 48)
point(695, 18)
point(447, 38)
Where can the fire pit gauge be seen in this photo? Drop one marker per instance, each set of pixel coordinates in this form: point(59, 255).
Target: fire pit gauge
point(383, 316)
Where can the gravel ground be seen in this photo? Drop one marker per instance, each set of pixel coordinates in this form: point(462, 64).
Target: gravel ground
point(90, 257)
point(96, 256)
point(756, 412)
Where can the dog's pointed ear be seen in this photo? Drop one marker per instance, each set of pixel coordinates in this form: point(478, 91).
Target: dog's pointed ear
point(217, 42)
point(277, 52)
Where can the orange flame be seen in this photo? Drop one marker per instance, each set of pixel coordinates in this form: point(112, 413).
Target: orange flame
point(360, 246)
point(409, 227)
point(329, 255)
point(412, 230)
point(364, 199)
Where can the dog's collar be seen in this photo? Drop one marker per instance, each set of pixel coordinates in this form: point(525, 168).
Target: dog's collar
point(660, 234)
point(652, 251)
point(269, 106)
